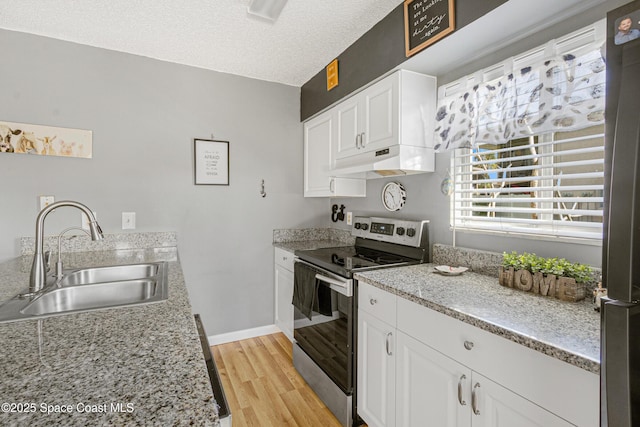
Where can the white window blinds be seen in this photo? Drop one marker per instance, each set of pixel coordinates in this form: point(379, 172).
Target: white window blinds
point(530, 157)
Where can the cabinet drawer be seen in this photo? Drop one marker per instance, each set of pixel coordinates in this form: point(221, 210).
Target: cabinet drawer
point(377, 302)
point(284, 258)
point(529, 373)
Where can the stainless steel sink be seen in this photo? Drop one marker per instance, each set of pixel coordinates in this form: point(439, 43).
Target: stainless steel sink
point(109, 274)
point(89, 289)
point(96, 295)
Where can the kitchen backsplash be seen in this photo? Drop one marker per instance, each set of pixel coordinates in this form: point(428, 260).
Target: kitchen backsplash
point(303, 234)
point(82, 243)
point(484, 262)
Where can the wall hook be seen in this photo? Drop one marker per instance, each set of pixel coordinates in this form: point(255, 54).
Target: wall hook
point(262, 192)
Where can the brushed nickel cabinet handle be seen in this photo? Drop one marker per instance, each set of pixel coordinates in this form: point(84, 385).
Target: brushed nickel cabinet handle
point(462, 378)
point(362, 144)
point(474, 399)
point(388, 346)
point(468, 345)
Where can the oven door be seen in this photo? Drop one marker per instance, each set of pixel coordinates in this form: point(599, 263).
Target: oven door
point(327, 336)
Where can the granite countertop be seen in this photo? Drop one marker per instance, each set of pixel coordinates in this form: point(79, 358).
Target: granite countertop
point(140, 365)
point(569, 331)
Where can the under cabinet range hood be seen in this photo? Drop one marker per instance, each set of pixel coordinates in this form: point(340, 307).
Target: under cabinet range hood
point(391, 161)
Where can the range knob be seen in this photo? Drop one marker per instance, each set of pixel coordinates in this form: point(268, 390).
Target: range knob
point(411, 232)
point(365, 226)
point(400, 231)
point(357, 225)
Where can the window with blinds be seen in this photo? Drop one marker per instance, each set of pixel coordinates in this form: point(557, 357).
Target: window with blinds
point(550, 184)
point(527, 137)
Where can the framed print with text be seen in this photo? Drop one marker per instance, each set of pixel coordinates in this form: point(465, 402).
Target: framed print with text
point(211, 162)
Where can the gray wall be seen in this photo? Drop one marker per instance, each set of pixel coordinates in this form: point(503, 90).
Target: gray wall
point(144, 115)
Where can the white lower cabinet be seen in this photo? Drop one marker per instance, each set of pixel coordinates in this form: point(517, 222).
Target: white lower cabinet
point(283, 290)
point(500, 407)
point(417, 368)
point(431, 388)
point(435, 390)
point(376, 371)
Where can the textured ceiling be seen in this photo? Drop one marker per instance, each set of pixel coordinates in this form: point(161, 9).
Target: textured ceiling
point(213, 34)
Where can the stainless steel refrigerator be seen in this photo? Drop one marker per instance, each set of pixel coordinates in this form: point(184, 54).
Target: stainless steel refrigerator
point(620, 350)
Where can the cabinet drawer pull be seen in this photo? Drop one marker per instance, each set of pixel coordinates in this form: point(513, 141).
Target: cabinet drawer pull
point(373, 301)
point(474, 399)
point(387, 344)
point(331, 185)
point(362, 144)
point(358, 141)
point(468, 345)
point(462, 378)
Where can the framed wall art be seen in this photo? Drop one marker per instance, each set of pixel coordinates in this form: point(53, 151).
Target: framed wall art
point(41, 140)
point(426, 22)
point(211, 162)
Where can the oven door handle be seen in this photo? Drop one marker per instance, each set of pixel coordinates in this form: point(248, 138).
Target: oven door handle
point(332, 281)
point(343, 287)
point(339, 284)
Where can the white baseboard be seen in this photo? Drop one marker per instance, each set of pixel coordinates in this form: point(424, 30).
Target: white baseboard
point(243, 335)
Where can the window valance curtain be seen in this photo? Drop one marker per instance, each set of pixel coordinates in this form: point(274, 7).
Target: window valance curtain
point(560, 93)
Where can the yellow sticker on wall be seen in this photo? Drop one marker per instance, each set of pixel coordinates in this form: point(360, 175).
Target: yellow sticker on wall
point(332, 74)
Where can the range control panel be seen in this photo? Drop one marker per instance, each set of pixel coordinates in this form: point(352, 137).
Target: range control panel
point(402, 232)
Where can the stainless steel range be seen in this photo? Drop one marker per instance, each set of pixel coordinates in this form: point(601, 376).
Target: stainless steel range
point(324, 300)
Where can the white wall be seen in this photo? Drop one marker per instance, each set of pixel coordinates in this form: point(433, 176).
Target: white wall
point(144, 115)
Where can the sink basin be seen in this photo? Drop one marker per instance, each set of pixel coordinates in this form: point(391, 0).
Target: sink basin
point(91, 296)
point(87, 289)
point(86, 276)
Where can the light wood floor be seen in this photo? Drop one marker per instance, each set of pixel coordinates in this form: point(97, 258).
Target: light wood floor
point(264, 389)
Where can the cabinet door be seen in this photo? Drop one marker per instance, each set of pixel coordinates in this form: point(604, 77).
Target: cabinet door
point(496, 406)
point(431, 389)
point(318, 134)
point(376, 371)
point(380, 114)
point(283, 295)
point(348, 116)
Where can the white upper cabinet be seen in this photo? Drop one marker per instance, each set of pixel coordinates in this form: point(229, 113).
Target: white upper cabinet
point(388, 123)
point(368, 120)
point(319, 135)
point(384, 129)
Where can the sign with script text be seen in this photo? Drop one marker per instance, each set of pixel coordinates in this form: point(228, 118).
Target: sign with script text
point(426, 22)
point(211, 162)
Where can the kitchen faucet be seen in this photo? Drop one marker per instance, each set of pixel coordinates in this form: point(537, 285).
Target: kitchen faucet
point(38, 270)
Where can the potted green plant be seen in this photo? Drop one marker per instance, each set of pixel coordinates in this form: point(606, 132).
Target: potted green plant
point(554, 277)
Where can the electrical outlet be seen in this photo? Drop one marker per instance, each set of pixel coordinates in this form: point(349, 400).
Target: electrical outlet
point(128, 220)
point(349, 218)
point(46, 201)
point(85, 220)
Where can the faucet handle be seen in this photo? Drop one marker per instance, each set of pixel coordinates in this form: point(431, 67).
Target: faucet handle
point(47, 260)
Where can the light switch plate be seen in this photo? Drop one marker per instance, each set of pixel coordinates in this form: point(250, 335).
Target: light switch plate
point(128, 220)
point(46, 201)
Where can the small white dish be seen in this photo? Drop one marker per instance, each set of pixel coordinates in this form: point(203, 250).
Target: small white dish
point(447, 270)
